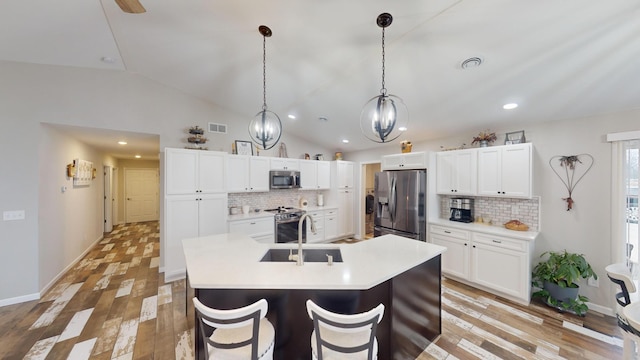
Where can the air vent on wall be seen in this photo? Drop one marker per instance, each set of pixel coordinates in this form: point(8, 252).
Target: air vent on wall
point(218, 128)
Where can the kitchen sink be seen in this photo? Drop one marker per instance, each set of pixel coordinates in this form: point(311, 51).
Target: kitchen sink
point(310, 255)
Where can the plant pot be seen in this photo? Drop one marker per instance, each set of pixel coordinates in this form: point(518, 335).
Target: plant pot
point(561, 294)
point(484, 143)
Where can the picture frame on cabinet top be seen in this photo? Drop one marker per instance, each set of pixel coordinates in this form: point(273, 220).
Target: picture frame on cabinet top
point(516, 137)
point(244, 147)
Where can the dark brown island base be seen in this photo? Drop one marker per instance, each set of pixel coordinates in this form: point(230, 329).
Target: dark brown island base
point(411, 295)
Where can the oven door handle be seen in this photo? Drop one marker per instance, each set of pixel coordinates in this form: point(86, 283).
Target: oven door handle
point(288, 221)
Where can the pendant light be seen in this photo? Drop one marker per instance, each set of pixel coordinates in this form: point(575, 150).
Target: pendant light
point(265, 129)
point(384, 117)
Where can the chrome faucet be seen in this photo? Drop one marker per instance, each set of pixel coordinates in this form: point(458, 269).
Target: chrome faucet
point(300, 258)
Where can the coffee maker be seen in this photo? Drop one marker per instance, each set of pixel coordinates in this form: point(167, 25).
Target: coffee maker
point(461, 210)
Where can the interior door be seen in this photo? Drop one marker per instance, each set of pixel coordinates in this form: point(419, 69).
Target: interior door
point(141, 195)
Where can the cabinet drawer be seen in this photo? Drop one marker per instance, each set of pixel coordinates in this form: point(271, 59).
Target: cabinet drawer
point(333, 212)
point(501, 242)
point(252, 227)
point(316, 214)
point(450, 232)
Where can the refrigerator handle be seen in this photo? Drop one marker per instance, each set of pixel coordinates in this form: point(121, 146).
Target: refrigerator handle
point(392, 200)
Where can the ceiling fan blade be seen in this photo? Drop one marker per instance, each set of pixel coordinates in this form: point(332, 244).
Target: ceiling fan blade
point(131, 6)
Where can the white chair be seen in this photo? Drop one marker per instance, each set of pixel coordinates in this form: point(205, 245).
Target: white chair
point(338, 336)
point(627, 312)
point(241, 334)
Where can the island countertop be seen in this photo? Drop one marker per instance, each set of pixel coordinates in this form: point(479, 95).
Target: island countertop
point(232, 261)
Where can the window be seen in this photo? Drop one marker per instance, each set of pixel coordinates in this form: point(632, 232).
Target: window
point(631, 150)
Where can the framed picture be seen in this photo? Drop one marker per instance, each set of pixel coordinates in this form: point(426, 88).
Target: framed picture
point(244, 147)
point(516, 137)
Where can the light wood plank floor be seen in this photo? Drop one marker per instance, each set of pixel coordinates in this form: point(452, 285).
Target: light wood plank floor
point(115, 305)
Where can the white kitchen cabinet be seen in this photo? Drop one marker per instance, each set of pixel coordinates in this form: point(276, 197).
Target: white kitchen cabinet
point(342, 173)
point(260, 229)
point(499, 264)
point(315, 174)
point(346, 221)
point(505, 171)
point(247, 173)
point(194, 171)
point(456, 172)
point(455, 261)
point(188, 216)
point(405, 161)
point(330, 224)
point(284, 164)
point(318, 220)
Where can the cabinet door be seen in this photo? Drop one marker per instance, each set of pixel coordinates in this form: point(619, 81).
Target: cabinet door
point(489, 171)
point(445, 166)
point(391, 162)
point(455, 261)
point(284, 164)
point(415, 160)
point(318, 220)
point(181, 222)
point(211, 169)
point(331, 225)
point(516, 170)
point(308, 174)
point(345, 174)
point(181, 171)
point(258, 173)
point(465, 172)
point(237, 173)
point(212, 214)
point(324, 174)
point(345, 207)
point(501, 269)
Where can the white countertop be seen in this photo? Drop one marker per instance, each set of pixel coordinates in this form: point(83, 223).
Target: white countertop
point(487, 229)
point(232, 261)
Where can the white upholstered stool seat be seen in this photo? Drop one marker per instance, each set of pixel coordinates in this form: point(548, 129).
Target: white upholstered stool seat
point(627, 308)
point(237, 334)
point(338, 336)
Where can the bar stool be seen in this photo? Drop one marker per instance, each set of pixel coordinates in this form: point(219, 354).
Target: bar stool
point(338, 336)
point(241, 334)
point(627, 312)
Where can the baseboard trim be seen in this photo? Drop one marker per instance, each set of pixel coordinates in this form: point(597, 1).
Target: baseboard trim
point(69, 267)
point(19, 299)
point(175, 275)
point(601, 309)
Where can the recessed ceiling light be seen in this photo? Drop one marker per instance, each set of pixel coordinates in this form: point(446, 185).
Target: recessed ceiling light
point(291, 116)
point(471, 62)
point(138, 156)
point(345, 141)
point(322, 118)
point(108, 60)
point(402, 128)
point(510, 106)
point(122, 142)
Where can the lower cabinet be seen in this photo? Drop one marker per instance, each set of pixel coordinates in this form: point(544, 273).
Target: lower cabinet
point(331, 224)
point(318, 220)
point(260, 229)
point(326, 222)
point(188, 216)
point(494, 263)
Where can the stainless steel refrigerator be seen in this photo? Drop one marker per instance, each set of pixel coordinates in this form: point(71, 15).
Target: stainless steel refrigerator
point(400, 203)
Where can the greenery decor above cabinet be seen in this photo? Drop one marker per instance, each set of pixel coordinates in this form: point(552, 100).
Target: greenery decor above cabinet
point(456, 172)
point(505, 171)
point(406, 161)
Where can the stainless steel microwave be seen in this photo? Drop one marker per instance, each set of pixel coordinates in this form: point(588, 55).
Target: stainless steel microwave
point(284, 179)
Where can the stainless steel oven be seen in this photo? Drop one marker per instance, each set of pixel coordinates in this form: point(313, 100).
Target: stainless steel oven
point(286, 224)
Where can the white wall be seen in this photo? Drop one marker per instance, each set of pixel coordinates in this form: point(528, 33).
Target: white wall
point(34, 94)
point(585, 229)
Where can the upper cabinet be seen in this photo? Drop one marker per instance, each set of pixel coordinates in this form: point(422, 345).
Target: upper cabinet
point(247, 173)
point(342, 172)
point(405, 161)
point(505, 171)
point(456, 172)
point(315, 174)
point(194, 171)
point(284, 164)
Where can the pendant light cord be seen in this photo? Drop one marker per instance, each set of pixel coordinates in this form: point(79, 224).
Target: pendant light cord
point(383, 90)
point(264, 73)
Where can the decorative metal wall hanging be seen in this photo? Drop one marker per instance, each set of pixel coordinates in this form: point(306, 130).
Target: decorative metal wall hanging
point(570, 169)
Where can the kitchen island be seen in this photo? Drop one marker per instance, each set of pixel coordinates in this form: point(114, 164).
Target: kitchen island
point(225, 272)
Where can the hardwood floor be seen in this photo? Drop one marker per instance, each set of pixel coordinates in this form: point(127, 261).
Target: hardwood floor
point(115, 305)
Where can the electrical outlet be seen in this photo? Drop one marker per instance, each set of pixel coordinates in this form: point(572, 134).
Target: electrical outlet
point(593, 282)
point(13, 215)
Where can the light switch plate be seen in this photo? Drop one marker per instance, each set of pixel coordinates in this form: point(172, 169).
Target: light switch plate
point(13, 215)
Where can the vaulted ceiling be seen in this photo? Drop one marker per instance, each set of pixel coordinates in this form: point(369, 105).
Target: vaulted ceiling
point(557, 59)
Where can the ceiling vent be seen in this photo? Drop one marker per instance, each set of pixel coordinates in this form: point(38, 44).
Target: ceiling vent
point(218, 128)
point(471, 62)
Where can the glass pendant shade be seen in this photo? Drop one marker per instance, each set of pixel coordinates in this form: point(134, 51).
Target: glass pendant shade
point(265, 129)
point(382, 118)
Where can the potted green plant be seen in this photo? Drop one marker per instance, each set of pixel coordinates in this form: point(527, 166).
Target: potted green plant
point(484, 138)
point(557, 279)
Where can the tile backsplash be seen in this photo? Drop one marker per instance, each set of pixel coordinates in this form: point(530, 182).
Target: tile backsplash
point(273, 199)
point(500, 210)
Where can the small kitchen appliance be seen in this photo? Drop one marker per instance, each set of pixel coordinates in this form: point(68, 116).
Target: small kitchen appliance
point(461, 209)
point(283, 179)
